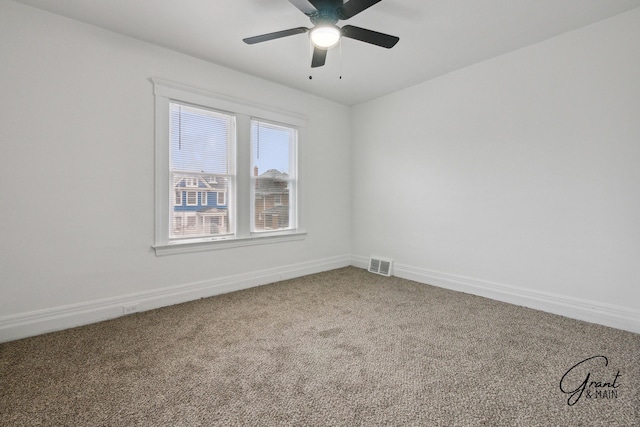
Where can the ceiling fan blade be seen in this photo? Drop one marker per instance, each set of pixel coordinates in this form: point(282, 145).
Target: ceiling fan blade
point(325, 4)
point(304, 6)
point(319, 56)
point(369, 36)
point(354, 7)
point(276, 35)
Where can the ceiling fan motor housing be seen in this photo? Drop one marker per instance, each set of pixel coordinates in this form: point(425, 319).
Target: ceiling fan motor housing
point(324, 16)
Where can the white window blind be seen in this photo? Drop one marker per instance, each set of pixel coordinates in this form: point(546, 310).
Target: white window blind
point(274, 170)
point(201, 143)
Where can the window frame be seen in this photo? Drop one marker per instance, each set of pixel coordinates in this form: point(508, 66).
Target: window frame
point(192, 198)
point(244, 111)
point(292, 186)
point(221, 201)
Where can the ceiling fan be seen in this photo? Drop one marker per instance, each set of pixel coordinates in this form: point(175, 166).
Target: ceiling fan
point(325, 34)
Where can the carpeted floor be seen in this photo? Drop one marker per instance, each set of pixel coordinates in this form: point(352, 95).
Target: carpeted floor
point(341, 348)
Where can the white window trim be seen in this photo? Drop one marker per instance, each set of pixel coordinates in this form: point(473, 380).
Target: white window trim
point(204, 198)
point(293, 185)
point(194, 197)
point(178, 198)
point(221, 201)
point(166, 92)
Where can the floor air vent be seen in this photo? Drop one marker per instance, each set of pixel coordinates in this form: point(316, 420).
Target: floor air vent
point(380, 266)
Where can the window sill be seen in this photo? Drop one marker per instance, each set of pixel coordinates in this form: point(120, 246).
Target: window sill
point(213, 245)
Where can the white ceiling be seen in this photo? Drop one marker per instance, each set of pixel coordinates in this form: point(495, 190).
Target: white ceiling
point(436, 36)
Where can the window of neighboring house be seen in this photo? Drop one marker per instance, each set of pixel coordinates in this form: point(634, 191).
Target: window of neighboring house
point(212, 141)
point(192, 198)
point(191, 223)
point(274, 166)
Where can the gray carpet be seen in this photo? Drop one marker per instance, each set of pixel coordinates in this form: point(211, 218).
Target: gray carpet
point(341, 348)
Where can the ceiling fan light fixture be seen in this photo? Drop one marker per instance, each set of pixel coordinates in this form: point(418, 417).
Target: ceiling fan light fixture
point(325, 36)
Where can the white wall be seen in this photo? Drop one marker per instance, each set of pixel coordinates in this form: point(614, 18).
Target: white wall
point(516, 178)
point(77, 147)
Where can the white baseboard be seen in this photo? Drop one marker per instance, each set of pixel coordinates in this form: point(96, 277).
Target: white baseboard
point(361, 262)
point(28, 324)
point(576, 308)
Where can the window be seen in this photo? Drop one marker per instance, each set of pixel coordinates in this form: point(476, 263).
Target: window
point(273, 161)
point(191, 223)
point(192, 198)
point(200, 141)
point(245, 153)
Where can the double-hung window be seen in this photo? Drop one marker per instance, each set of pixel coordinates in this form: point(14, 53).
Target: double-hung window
point(200, 160)
point(273, 193)
point(226, 171)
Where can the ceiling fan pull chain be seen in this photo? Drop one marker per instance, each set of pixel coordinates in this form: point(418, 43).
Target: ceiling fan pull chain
point(340, 59)
point(310, 55)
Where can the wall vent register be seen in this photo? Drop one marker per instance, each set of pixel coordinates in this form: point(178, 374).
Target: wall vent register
point(380, 266)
